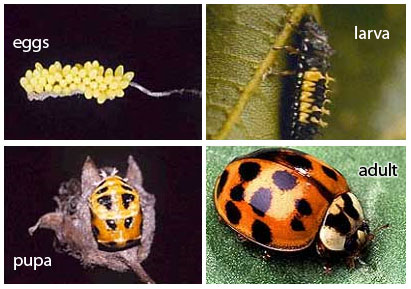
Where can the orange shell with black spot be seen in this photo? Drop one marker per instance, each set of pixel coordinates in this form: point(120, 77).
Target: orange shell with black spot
point(277, 198)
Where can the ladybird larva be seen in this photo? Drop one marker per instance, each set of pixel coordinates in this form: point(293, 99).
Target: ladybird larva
point(90, 79)
point(305, 108)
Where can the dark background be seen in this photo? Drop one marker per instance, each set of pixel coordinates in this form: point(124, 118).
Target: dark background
point(160, 43)
point(33, 176)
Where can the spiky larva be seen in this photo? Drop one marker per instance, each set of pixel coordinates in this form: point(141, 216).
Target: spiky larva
point(90, 79)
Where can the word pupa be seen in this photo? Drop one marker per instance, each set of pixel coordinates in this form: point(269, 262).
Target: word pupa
point(90, 79)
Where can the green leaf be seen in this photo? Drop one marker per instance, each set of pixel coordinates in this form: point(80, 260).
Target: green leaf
point(242, 103)
point(383, 201)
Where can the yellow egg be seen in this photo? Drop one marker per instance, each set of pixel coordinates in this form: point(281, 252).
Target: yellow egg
point(24, 82)
point(38, 66)
point(66, 69)
point(128, 76)
point(111, 93)
point(109, 72)
point(29, 74)
point(58, 66)
point(101, 70)
point(52, 69)
point(119, 70)
point(82, 87)
point(101, 100)
point(29, 88)
point(124, 84)
point(99, 79)
point(57, 89)
point(86, 81)
point(42, 81)
point(119, 93)
point(82, 73)
point(113, 85)
point(93, 85)
point(72, 87)
point(66, 91)
point(93, 73)
point(88, 65)
point(48, 87)
point(88, 93)
point(58, 76)
point(33, 81)
point(38, 88)
point(44, 72)
point(69, 78)
point(51, 79)
point(77, 80)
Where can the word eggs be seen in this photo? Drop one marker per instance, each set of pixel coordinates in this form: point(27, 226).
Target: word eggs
point(283, 199)
point(115, 214)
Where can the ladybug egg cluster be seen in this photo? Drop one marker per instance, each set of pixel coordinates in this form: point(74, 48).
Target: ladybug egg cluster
point(90, 79)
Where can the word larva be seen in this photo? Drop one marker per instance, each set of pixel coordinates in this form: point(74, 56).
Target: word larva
point(31, 262)
point(29, 44)
point(90, 79)
point(377, 170)
point(368, 34)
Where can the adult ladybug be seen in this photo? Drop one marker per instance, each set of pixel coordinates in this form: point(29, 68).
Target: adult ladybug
point(284, 200)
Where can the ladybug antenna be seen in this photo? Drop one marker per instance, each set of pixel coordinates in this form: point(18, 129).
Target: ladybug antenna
point(372, 235)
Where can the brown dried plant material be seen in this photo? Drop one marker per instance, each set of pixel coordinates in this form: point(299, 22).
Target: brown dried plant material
point(71, 222)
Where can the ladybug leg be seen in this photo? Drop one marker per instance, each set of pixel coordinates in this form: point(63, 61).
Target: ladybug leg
point(267, 255)
point(241, 238)
point(220, 219)
point(327, 268)
point(289, 49)
point(270, 71)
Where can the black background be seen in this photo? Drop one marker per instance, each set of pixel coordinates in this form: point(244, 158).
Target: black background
point(160, 43)
point(173, 174)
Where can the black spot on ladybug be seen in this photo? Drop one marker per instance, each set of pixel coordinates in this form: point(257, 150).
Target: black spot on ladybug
point(237, 193)
point(132, 242)
point(261, 232)
point(303, 207)
point(261, 201)
point(105, 201)
point(284, 180)
point(298, 161)
point(232, 212)
point(349, 207)
point(297, 225)
point(249, 171)
point(339, 222)
point(96, 232)
point(127, 199)
point(127, 187)
point(221, 183)
point(329, 172)
point(111, 224)
point(102, 190)
point(262, 154)
point(127, 222)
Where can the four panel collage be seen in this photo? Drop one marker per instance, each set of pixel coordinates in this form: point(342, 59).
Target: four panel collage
point(204, 143)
